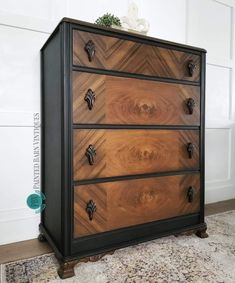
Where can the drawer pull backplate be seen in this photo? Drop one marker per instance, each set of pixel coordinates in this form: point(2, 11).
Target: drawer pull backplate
point(191, 68)
point(90, 49)
point(90, 98)
point(190, 194)
point(90, 154)
point(190, 149)
point(91, 209)
point(190, 104)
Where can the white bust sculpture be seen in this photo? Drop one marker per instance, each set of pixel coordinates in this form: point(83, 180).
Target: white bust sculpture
point(132, 22)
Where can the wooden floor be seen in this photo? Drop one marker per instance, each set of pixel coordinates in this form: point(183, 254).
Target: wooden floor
point(31, 248)
point(218, 207)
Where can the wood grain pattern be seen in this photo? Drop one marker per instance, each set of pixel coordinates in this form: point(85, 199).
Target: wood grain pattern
point(129, 56)
point(125, 203)
point(127, 152)
point(133, 101)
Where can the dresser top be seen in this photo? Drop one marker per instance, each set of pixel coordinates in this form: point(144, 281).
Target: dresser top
point(128, 35)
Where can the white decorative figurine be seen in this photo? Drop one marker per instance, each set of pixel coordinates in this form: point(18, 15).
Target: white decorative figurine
point(131, 22)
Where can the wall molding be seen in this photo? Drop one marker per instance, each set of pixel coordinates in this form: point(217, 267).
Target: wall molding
point(28, 23)
point(228, 3)
point(219, 61)
point(15, 214)
point(220, 124)
point(17, 118)
point(218, 190)
point(226, 179)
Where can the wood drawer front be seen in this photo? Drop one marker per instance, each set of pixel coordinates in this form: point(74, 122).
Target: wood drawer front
point(128, 152)
point(112, 53)
point(125, 203)
point(132, 101)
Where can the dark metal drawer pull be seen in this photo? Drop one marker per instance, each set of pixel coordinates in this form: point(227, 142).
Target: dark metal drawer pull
point(190, 149)
point(90, 98)
point(90, 49)
point(90, 154)
point(91, 209)
point(191, 68)
point(190, 104)
point(190, 194)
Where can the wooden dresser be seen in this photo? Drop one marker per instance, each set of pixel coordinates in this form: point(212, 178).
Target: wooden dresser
point(122, 140)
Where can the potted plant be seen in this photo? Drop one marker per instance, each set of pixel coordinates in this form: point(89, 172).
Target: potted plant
point(109, 20)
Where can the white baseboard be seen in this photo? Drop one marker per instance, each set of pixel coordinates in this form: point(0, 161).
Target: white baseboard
point(220, 193)
point(18, 224)
point(19, 229)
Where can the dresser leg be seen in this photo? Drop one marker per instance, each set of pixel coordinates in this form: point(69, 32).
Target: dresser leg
point(201, 233)
point(66, 269)
point(41, 237)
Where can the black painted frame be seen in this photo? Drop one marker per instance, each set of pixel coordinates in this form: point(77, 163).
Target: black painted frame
point(103, 242)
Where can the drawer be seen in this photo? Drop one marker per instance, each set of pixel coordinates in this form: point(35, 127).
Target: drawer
point(115, 54)
point(118, 152)
point(107, 206)
point(101, 99)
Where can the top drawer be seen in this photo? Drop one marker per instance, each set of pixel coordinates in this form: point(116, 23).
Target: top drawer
point(111, 53)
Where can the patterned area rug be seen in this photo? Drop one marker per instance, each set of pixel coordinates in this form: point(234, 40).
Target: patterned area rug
point(171, 259)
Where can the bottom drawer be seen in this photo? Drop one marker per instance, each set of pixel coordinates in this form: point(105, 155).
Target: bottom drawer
point(107, 206)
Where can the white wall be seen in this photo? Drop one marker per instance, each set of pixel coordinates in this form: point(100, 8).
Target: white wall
point(24, 27)
point(211, 24)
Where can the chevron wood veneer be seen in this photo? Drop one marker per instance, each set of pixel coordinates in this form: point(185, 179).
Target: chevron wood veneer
point(133, 101)
point(129, 56)
point(129, 152)
point(119, 203)
point(122, 140)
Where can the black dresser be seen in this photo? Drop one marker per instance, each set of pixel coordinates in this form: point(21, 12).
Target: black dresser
point(122, 140)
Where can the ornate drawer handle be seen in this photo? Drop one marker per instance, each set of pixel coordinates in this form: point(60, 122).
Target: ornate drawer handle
point(91, 209)
point(90, 98)
point(190, 194)
point(190, 149)
point(191, 68)
point(90, 49)
point(90, 154)
point(190, 104)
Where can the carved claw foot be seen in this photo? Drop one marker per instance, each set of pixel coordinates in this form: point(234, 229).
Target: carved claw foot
point(41, 238)
point(66, 269)
point(201, 233)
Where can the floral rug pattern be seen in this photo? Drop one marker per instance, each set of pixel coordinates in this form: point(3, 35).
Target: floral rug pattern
point(166, 260)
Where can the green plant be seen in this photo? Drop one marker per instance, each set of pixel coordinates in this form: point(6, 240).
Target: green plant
point(108, 20)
